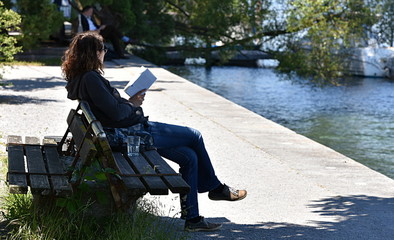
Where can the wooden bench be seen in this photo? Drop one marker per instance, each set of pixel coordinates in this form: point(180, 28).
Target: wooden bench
point(58, 166)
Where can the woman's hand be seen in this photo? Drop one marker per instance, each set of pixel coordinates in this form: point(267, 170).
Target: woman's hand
point(138, 98)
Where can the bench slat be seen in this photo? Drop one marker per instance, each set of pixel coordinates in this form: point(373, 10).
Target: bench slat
point(78, 130)
point(39, 184)
point(133, 184)
point(14, 139)
point(60, 184)
point(51, 140)
point(16, 163)
point(154, 184)
point(87, 153)
point(32, 140)
point(175, 183)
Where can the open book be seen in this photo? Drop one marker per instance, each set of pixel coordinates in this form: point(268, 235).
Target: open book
point(142, 81)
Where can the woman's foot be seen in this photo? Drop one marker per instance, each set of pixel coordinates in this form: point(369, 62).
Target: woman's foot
point(201, 225)
point(226, 193)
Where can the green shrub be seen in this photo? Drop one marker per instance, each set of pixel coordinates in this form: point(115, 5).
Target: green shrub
point(9, 21)
point(40, 19)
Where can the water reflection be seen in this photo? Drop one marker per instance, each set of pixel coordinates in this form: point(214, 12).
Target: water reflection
point(354, 119)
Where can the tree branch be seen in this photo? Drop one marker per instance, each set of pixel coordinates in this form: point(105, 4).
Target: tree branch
point(226, 45)
point(179, 8)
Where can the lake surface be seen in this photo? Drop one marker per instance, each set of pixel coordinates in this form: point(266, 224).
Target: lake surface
point(356, 120)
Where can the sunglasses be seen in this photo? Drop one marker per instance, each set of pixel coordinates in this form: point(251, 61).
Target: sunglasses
point(105, 49)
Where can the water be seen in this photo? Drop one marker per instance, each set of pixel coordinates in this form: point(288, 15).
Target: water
point(356, 120)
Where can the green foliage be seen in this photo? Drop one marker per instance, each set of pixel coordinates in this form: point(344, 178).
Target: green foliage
point(324, 30)
point(7, 3)
point(29, 221)
point(89, 190)
point(40, 19)
point(145, 225)
point(9, 21)
point(150, 23)
point(193, 26)
point(219, 20)
point(385, 27)
point(228, 22)
point(126, 16)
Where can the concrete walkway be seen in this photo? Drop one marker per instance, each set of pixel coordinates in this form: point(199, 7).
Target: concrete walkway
point(297, 188)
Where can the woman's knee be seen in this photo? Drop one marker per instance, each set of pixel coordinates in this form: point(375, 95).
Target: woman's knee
point(196, 134)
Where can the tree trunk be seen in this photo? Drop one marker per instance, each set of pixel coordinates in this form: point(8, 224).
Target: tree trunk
point(208, 54)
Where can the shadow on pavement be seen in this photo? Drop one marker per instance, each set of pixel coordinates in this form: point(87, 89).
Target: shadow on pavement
point(32, 84)
point(18, 99)
point(352, 217)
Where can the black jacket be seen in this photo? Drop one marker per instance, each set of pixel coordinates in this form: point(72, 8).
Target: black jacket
point(105, 101)
point(85, 24)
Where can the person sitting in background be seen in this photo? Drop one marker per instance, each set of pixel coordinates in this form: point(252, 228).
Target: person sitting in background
point(108, 32)
point(83, 68)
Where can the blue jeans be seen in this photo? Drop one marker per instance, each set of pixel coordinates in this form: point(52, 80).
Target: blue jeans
point(185, 146)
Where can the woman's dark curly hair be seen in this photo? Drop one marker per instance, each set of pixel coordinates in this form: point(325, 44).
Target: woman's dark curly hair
point(81, 56)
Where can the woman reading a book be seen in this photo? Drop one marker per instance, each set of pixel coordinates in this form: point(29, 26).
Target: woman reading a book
point(83, 69)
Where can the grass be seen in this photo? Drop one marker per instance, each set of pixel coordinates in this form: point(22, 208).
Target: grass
point(40, 62)
point(27, 222)
point(24, 220)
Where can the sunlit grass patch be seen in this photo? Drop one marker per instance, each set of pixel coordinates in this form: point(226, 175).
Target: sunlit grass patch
point(26, 221)
point(39, 62)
